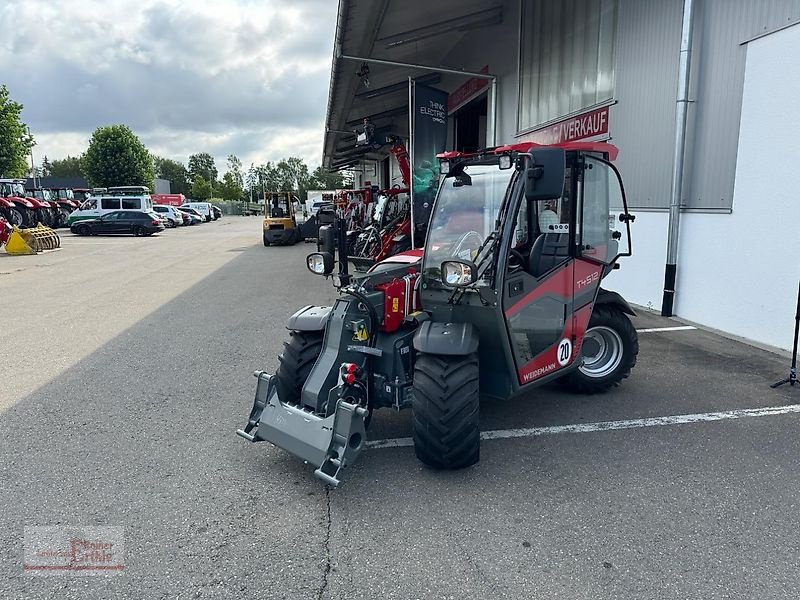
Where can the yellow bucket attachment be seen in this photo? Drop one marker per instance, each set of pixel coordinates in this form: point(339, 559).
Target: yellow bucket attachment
point(32, 241)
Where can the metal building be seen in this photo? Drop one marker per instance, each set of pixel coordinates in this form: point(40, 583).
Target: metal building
point(549, 70)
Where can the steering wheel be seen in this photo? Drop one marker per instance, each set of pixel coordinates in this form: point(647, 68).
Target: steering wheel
point(463, 240)
point(515, 260)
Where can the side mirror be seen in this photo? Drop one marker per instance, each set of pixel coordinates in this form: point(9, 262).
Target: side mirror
point(327, 239)
point(459, 273)
point(544, 175)
point(320, 263)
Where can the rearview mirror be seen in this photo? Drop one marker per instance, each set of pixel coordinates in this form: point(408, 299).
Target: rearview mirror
point(327, 239)
point(320, 263)
point(459, 273)
point(544, 175)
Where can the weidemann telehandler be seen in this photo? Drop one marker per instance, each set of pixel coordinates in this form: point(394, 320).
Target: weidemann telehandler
point(505, 297)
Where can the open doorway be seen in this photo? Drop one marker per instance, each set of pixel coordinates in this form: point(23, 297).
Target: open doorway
point(469, 125)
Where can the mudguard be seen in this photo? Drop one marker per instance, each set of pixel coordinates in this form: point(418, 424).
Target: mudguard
point(309, 318)
point(607, 297)
point(451, 339)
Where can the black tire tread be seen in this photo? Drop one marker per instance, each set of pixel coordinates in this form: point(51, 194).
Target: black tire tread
point(446, 420)
point(614, 317)
point(295, 363)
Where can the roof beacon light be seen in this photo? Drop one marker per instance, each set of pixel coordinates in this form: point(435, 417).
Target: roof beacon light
point(505, 161)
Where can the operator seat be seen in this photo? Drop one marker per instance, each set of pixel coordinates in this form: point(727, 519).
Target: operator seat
point(548, 251)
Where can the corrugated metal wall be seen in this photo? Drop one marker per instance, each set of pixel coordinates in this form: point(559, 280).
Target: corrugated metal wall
point(643, 123)
point(718, 83)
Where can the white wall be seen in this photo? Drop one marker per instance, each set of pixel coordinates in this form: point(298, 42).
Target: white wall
point(640, 278)
point(739, 272)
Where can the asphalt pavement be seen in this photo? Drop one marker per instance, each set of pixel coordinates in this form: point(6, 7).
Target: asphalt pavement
point(126, 380)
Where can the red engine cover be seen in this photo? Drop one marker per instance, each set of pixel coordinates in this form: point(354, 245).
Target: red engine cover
point(399, 299)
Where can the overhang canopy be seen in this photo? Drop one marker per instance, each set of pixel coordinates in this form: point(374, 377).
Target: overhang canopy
point(418, 32)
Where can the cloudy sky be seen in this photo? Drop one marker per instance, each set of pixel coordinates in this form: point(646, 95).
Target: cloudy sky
point(248, 77)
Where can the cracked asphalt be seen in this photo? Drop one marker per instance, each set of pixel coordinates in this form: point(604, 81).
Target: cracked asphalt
point(120, 398)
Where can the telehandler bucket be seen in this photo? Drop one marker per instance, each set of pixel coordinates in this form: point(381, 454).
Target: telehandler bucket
point(32, 241)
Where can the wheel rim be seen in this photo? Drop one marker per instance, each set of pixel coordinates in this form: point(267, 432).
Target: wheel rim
point(602, 350)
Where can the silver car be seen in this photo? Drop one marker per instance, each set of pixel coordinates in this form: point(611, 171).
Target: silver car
point(170, 213)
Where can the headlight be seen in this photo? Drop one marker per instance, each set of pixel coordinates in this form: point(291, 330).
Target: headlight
point(505, 161)
point(458, 273)
point(444, 167)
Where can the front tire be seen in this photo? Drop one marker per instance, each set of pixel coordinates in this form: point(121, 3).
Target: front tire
point(296, 361)
point(609, 350)
point(84, 230)
point(446, 409)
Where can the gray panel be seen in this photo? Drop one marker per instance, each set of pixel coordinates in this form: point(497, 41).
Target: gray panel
point(718, 83)
point(643, 122)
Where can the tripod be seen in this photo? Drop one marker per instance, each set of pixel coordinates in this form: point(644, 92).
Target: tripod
point(792, 379)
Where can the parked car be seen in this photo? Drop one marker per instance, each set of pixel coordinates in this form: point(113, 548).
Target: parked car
point(193, 215)
point(171, 213)
point(317, 205)
point(202, 208)
point(122, 221)
point(163, 218)
point(134, 198)
point(217, 211)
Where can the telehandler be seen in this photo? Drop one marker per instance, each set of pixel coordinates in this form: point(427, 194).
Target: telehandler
point(504, 297)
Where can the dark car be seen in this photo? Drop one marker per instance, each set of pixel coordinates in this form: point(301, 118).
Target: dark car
point(121, 221)
point(217, 211)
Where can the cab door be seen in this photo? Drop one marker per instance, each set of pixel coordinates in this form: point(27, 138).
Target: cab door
point(602, 234)
point(538, 286)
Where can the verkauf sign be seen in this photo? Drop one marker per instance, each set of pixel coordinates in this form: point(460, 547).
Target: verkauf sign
point(580, 127)
point(471, 88)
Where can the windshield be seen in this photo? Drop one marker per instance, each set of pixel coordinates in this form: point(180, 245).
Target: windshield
point(277, 207)
point(465, 214)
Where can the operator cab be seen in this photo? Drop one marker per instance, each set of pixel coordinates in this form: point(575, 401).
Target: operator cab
point(531, 230)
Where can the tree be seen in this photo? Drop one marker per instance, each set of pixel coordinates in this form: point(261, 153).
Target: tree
point(230, 188)
point(65, 167)
point(235, 169)
point(46, 167)
point(202, 165)
point(15, 141)
point(322, 179)
point(117, 157)
point(201, 189)
point(175, 172)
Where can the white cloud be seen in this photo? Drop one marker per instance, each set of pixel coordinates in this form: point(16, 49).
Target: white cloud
point(218, 76)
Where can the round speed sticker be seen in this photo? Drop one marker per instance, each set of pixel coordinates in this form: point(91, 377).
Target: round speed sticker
point(564, 352)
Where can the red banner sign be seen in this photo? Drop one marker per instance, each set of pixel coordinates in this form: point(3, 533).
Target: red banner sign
point(579, 127)
point(471, 88)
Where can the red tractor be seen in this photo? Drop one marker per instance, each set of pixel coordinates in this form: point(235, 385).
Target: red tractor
point(20, 209)
point(505, 297)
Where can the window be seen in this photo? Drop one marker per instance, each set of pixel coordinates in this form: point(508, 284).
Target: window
point(567, 58)
point(161, 209)
point(109, 203)
point(131, 203)
point(603, 236)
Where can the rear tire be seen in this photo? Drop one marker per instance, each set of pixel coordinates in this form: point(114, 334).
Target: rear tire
point(266, 241)
point(609, 350)
point(446, 409)
point(139, 231)
point(16, 217)
point(296, 361)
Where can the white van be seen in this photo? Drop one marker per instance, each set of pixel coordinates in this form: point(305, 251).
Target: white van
point(204, 208)
point(116, 198)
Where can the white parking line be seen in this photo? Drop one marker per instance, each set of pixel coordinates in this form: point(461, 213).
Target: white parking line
point(501, 434)
point(676, 328)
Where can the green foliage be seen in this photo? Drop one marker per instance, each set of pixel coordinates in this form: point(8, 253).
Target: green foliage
point(65, 167)
point(322, 179)
point(201, 189)
point(235, 169)
point(202, 165)
point(15, 141)
point(175, 172)
point(230, 189)
point(117, 157)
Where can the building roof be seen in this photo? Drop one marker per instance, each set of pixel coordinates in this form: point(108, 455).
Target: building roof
point(408, 31)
